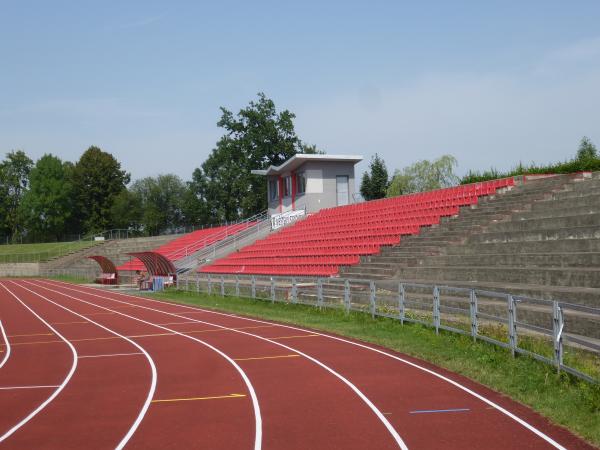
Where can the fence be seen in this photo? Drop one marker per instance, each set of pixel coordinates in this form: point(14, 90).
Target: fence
point(553, 332)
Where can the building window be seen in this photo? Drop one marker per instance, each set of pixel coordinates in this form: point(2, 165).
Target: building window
point(273, 189)
point(301, 183)
point(287, 186)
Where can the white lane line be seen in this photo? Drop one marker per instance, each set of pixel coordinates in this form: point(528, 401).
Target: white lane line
point(7, 354)
point(60, 387)
point(255, 405)
point(110, 354)
point(9, 388)
point(152, 387)
point(340, 377)
point(366, 347)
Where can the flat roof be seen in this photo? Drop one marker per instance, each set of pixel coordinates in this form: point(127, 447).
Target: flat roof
point(297, 160)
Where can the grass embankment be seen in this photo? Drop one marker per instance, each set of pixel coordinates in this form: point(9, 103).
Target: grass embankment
point(561, 398)
point(21, 253)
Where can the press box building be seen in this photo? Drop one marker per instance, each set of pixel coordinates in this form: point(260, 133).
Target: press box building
point(310, 182)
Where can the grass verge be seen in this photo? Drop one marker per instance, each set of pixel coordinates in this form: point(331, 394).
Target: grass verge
point(21, 253)
point(562, 398)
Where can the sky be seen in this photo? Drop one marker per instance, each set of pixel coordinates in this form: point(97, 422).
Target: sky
point(492, 83)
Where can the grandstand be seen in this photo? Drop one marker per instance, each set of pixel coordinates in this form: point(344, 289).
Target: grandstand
point(188, 244)
point(336, 237)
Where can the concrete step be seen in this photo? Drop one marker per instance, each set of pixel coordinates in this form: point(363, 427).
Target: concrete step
point(554, 212)
point(582, 277)
point(577, 193)
point(569, 202)
point(529, 260)
point(588, 220)
point(549, 246)
point(568, 294)
point(584, 232)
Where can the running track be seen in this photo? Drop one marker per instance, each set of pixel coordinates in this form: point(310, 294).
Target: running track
point(87, 368)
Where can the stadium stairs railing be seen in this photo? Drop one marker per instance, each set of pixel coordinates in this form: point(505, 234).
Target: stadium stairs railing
point(224, 240)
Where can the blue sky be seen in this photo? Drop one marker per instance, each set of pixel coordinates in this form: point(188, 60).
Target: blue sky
point(492, 83)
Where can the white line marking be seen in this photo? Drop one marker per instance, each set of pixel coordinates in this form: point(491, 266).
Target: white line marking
point(152, 388)
point(381, 352)
point(8, 388)
point(255, 405)
point(42, 405)
point(7, 354)
point(110, 354)
point(347, 382)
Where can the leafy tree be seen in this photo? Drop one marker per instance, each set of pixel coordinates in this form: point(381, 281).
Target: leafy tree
point(194, 205)
point(587, 150)
point(47, 206)
point(14, 181)
point(424, 176)
point(97, 179)
point(374, 184)
point(161, 201)
point(127, 211)
point(256, 137)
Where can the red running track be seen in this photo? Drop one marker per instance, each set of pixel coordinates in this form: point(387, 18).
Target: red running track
point(139, 373)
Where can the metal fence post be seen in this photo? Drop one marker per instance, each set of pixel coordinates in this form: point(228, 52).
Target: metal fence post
point(372, 298)
point(401, 303)
point(222, 286)
point(473, 313)
point(512, 324)
point(294, 290)
point(187, 284)
point(319, 292)
point(558, 324)
point(209, 285)
point(436, 309)
point(177, 283)
point(237, 285)
point(198, 282)
point(272, 290)
point(253, 286)
point(347, 295)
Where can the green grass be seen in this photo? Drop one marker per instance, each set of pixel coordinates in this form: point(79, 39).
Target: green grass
point(16, 253)
point(562, 398)
point(71, 279)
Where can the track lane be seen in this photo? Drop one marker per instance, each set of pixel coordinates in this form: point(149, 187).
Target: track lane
point(30, 394)
point(141, 350)
point(186, 370)
point(6, 345)
point(336, 418)
point(484, 405)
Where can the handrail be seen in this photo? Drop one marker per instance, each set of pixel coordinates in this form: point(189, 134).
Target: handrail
point(261, 222)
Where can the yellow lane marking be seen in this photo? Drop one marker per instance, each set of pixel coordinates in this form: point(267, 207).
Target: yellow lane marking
point(293, 337)
point(266, 357)
point(149, 335)
point(37, 334)
point(198, 398)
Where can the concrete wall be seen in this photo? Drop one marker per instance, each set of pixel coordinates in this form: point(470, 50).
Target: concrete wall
point(19, 270)
point(320, 186)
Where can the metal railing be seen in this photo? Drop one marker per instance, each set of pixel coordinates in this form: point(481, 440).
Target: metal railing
point(553, 332)
point(224, 240)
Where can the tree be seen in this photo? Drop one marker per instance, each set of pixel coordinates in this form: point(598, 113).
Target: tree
point(47, 206)
point(587, 150)
point(258, 136)
point(424, 176)
point(14, 181)
point(161, 202)
point(127, 211)
point(97, 179)
point(374, 184)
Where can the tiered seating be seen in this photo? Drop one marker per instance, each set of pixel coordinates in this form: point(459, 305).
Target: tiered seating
point(334, 237)
point(189, 244)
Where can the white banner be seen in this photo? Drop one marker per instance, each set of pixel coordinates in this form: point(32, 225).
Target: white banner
point(280, 220)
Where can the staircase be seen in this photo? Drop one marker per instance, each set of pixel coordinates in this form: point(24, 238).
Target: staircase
point(541, 240)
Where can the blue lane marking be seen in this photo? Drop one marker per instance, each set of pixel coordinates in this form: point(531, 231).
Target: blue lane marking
point(425, 411)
